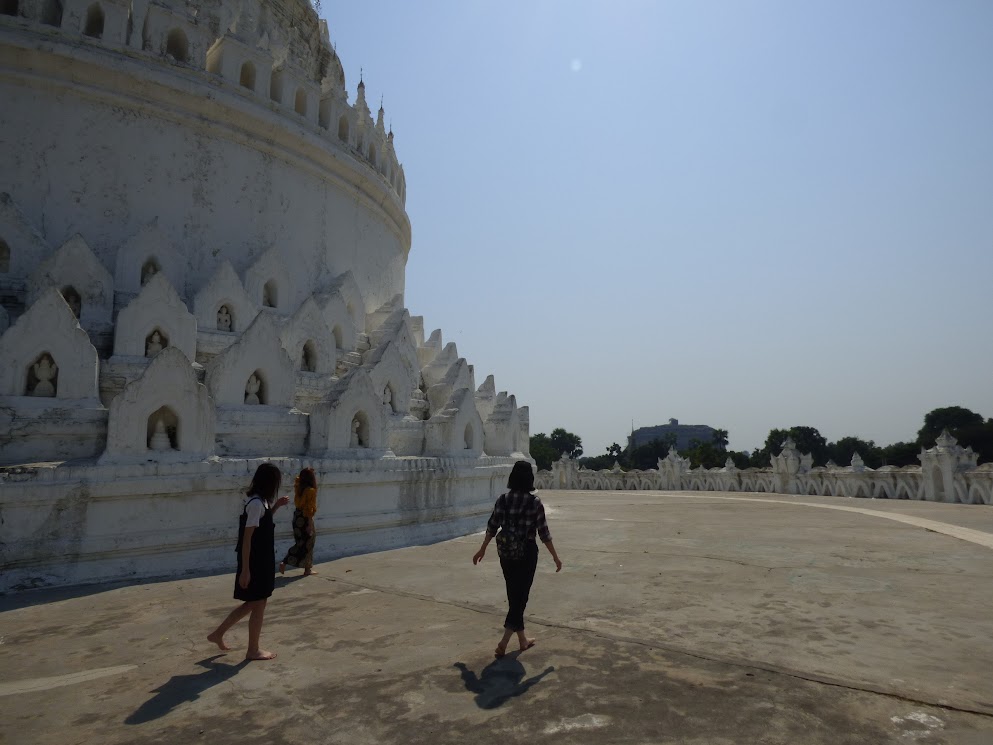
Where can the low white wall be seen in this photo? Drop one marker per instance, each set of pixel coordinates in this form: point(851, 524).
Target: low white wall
point(80, 524)
point(948, 473)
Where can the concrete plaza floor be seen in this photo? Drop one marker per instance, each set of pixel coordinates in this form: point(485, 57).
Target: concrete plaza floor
point(678, 618)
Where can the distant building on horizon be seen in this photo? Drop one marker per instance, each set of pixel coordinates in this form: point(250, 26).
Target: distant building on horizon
point(685, 433)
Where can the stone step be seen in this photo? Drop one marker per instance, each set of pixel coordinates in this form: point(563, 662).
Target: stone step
point(362, 343)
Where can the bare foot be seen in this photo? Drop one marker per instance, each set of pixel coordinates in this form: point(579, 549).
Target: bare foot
point(260, 655)
point(526, 643)
point(282, 567)
point(308, 572)
point(500, 651)
point(218, 639)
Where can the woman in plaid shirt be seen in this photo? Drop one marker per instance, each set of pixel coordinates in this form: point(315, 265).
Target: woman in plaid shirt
point(521, 512)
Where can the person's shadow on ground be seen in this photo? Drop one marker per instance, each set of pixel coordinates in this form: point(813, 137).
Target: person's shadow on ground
point(183, 688)
point(499, 681)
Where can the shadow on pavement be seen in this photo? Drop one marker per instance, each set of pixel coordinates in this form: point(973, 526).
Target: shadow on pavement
point(183, 688)
point(282, 580)
point(499, 681)
point(26, 596)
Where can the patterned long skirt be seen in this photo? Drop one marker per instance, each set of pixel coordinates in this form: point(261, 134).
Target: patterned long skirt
point(301, 553)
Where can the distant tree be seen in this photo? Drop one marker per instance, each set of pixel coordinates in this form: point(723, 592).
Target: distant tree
point(900, 454)
point(546, 449)
point(712, 454)
point(740, 459)
point(807, 440)
point(613, 455)
point(542, 451)
point(566, 442)
point(980, 438)
point(953, 418)
point(706, 454)
point(964, 425)
point(841, 452)
point(599, 462)
point(760, 458)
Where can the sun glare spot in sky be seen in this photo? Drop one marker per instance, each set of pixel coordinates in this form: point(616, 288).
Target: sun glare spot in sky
point(577, 65)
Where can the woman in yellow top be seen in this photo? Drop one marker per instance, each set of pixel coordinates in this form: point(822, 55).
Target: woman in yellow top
point(301, 554)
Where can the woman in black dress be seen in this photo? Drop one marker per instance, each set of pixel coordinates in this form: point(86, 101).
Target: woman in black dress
point(256, 552)
point(519, 516)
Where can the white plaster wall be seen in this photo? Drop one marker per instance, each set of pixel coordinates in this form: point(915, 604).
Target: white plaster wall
point(167, 519)
point(39, 430)
point(218, 191)
point(27, 247)
point(246, 431)
point(212, 176)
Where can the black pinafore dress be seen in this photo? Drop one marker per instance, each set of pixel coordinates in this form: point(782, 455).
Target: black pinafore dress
point(261, 557)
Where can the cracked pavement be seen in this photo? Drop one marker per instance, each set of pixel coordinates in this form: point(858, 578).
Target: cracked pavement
point(678, 618)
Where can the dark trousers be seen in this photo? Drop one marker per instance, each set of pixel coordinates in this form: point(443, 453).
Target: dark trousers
point(519, 575)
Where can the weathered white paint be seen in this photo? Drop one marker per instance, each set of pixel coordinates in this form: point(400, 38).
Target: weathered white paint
point(234, 235)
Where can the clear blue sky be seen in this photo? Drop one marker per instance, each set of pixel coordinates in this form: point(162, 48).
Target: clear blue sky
point(743, 214)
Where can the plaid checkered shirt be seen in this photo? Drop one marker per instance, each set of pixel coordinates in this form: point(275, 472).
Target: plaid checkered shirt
point(515, 507)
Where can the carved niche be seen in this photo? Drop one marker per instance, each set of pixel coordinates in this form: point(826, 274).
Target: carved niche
point(224, 297)
point(269, 285)
point(158, 308)
point(308, 340)
point(350, 422)
point(76, 272)
point(47, 347)
point(145, 254)
point(456, 429)
point(165, 413)
point(259, 354)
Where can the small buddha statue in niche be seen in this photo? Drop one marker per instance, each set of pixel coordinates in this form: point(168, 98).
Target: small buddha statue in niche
point(154, 344)
point(45, 370)
point(223, 318)
point(388, 401)
point(160, 439)
point(252, 390)
point(356, 439)
point(147, 272)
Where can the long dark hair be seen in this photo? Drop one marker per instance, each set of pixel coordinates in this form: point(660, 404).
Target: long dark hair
point(265, 482)
point(521, 477)
point(306, 480)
